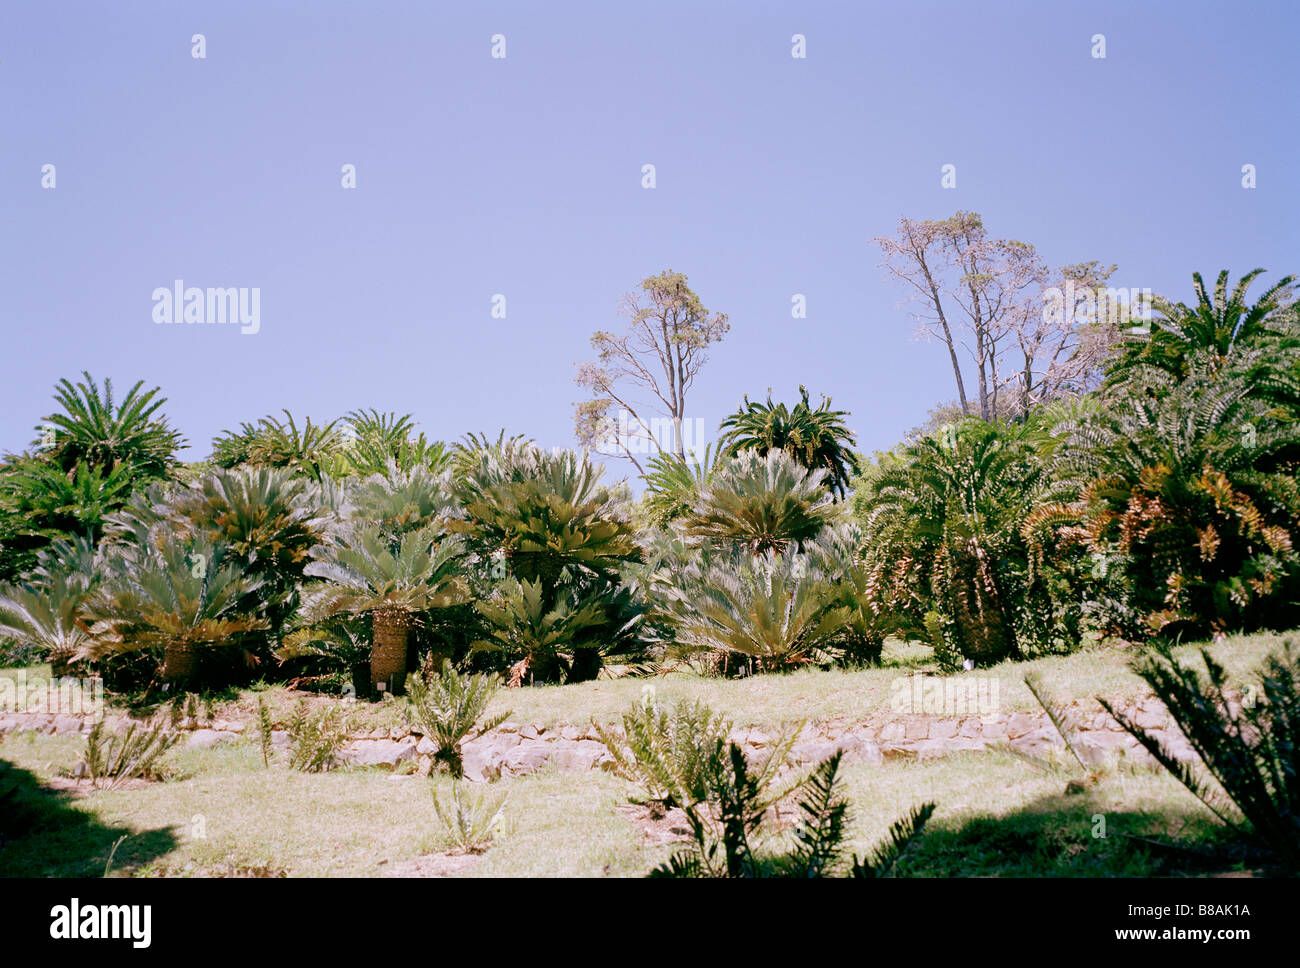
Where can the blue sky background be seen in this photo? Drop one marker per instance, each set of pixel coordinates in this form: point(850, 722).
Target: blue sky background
point(523, 177)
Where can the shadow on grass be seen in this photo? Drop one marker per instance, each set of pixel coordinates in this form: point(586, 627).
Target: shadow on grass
point(43, 833)
point(1075, 836)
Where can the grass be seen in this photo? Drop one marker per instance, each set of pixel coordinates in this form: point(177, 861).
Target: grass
point(224, 812)
point(770, 700)
point(996, 816)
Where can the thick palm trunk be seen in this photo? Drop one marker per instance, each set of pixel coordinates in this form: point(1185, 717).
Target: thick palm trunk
point(180, 662)
point(388, 651)
point(983, 627)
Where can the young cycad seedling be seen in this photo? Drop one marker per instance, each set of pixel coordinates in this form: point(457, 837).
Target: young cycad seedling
point(315, 738)
point(112, 758)
point(471, 822)
point(447, 706)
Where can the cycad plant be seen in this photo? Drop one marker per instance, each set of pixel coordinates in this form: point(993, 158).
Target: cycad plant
point(400, 500)
point(178, 595)
point(673, 484)
point(543, 512)
point(949, 511)
point(448, 707)
point(665, 750)
point(818, 439)
point(392, 582)
point(773, 611)
point(1249, 743)
point(560, 633)
point(1185, 494)
point(94, 429)
point(1213, 328)
point(309, 449)
point(45, 613)
point(266, 517)
point(381, 439)
point(41, 503)
point(761, 504)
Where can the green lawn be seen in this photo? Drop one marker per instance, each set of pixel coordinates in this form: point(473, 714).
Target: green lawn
point(224, 812)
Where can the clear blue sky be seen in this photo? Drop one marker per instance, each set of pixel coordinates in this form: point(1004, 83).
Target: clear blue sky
point(522, 176)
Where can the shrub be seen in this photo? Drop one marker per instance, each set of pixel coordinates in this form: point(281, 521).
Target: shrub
point(112, 758)
point(470, 823)
point(447, 706)
point(722, 838)
point(1251, 748)
point(665, 752)
point(316, 737)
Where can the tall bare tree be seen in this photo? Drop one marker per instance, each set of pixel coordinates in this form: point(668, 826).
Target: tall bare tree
point(985, 297)
point(647, 369)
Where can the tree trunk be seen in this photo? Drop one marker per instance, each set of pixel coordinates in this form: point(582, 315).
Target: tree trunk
point(180, 659)
point(388, 651)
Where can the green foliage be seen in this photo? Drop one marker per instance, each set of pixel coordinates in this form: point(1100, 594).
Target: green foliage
point(398, 500)
point(1250, 747)
point(1216, 326)
point(471, 823)
point(724, 827)
point(542, 512)
point(266, 519)
point(673, 485)
point(316, 736)
point(447, 706)
point(264, 729)
point(383, 439)
point(882, 861)
point(1184, 494)
point(562, 633)
point(112, 758)
point(666, 751)
point(777, 611)
point(761, 504)
point(44, 614)
point(942, 534)
point(392, 580)
point(271, 442)
point(94, 430)
point(180, 596)
point(818, 439)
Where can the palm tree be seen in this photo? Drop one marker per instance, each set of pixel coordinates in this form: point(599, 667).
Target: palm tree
point(819, 439)
point(761, 503)
point(1186, 491)
point(365, 573)
point(673, 485)
point(182, 595)
point(45, 613)
point(93, 429)
point(267, 518)
point(1216, 325)
point(768, 608)
point(951, 510)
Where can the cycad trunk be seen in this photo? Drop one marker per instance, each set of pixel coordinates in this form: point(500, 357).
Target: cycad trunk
point(984, 629)
point(180, 660)
point(388, 651)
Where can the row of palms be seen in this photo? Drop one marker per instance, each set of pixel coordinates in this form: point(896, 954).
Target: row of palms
point(1166, 502)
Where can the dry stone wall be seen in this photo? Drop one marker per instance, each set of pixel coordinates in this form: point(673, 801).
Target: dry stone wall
point(515, 749)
